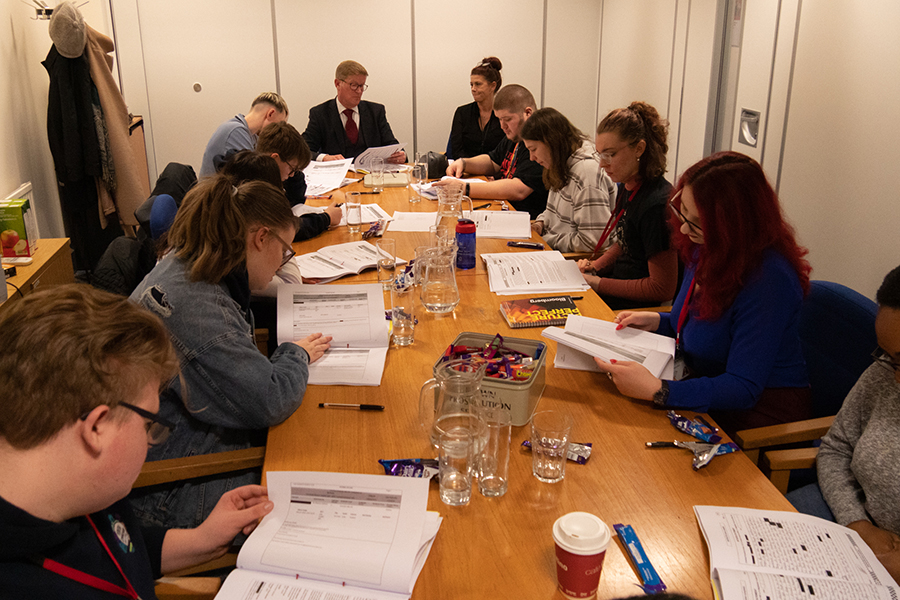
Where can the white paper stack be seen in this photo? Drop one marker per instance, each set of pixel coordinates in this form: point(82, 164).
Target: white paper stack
point(533, 273)
point(584, 338)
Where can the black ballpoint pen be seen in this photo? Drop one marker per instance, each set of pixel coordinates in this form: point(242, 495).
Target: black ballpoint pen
point(353, 406)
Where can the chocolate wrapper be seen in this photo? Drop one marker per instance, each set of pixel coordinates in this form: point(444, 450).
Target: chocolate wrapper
point(699, 427)
point(578, 453)
point(651, 582)
point(411, 467)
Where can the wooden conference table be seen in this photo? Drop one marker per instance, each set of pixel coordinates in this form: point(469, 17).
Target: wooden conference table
point(502, 547)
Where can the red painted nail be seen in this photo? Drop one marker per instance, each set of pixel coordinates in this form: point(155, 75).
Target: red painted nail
point(612, 360)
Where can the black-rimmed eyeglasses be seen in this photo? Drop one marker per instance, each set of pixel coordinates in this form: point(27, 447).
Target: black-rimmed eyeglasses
point(356, 86)
point(158, 428)
point(684, 219)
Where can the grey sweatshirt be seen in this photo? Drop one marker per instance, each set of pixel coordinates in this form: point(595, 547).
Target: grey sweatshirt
point(859, 461)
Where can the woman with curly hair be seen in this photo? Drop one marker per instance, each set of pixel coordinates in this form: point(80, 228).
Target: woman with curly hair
point(736, 316)
point(640, 268)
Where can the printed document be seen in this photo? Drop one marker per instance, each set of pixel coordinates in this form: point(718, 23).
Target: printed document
point(533, 273)
point(353, 315)
point(789, 556)
point(502, 224)
point(364, 160)
point(336, 261)
point(412, 221)
point(595, 337)
point(325, 176)
point(339, 536)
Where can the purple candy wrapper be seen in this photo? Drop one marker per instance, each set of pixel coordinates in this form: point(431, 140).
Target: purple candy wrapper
point(411, 467)
point(578, 453)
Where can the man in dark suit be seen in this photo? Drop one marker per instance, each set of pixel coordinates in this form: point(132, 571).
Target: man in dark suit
point(346, 126)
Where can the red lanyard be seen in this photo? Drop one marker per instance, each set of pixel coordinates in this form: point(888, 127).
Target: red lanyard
point(682, 316)
point(511, 163)
point(94, 582)
point(611, 224)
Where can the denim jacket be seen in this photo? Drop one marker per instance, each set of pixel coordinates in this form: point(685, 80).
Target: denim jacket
point(231, 392)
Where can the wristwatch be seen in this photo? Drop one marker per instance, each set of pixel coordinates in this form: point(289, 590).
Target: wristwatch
point(662, 394)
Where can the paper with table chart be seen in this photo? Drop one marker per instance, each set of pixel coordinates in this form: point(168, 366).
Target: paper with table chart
point(594, 337)
point(533, 273)
point(336, 261)
point(338, 536)
point(789, 556)
point(324, 176)
point(353, 315)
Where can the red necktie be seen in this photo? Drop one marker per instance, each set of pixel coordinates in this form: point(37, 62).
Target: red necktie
point(352, 130)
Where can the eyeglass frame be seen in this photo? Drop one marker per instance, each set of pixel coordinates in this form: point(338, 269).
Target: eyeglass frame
point(607, 157)
point(356, 86)
point(882, 358)
point(684, 219)
point(288, 250)
point(294, 170)
point(161, 426)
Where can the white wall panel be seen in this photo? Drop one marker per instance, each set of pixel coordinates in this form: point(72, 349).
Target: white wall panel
point(635, 53)
point(839, 177)
point(453, 37)
point(224, 45)
point(313, 37)
point(573, 61)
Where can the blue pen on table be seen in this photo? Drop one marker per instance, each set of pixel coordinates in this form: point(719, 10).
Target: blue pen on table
point(351, 406)
point(532, 245)
point(488, 205)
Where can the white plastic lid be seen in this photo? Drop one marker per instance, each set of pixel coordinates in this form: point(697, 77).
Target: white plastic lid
point(581, 533)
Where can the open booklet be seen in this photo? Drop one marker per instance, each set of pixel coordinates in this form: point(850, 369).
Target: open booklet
point(337, 536)
point(785, 555)
point(336, 261)
point(353, 315)
point(322, 177)
point(594, 337)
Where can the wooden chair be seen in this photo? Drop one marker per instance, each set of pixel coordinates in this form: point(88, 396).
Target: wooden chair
point(178, 586)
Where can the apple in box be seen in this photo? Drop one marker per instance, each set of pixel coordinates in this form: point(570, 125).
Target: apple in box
point(18, 230)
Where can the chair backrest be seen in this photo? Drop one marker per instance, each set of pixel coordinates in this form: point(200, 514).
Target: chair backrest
point(837, 331)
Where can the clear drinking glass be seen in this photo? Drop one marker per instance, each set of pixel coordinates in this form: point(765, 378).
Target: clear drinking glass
point(440, 293)
point(377, 174)
point(493, 464)
point(549, 445)
point(416, 177)
point(403, 313)
point(456, 462)
point(354, 211)
point(387, 261)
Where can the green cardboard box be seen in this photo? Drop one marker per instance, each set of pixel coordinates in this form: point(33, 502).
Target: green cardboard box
point(18, 229)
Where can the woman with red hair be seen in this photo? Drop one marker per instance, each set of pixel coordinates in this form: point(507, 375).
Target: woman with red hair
point(735, 319)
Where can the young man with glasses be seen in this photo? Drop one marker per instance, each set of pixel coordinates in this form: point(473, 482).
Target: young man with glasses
point(81, 371)
point(347, 125)
point(240, 132)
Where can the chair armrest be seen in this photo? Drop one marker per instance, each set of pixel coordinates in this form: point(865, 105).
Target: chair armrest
point(187, 588)
point(778, 464)
point(190, 467)
point(785, 433)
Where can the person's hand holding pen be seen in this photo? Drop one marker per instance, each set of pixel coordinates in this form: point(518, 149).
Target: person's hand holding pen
point(315, 345)
point(334, 209)
point(585, 265)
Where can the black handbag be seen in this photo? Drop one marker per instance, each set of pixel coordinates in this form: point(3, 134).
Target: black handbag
point(437, 164)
